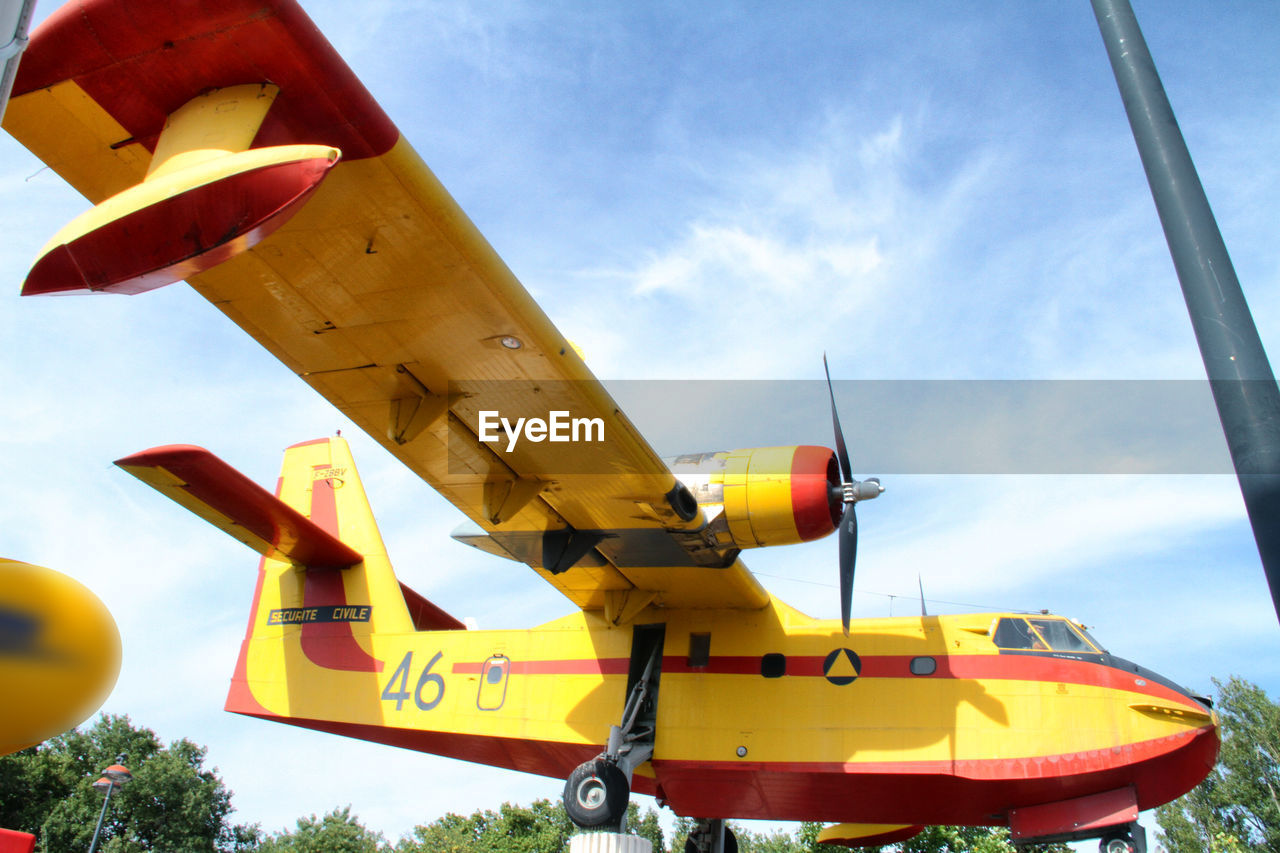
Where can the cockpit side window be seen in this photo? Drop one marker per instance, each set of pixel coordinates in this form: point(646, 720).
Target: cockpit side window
point(1060, 636)
point(1014, 633)
point(1057, 635)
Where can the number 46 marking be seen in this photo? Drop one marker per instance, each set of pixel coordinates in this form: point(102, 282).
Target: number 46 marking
point(400, 678)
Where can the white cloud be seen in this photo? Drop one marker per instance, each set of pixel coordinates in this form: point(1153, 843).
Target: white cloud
point(757, 262)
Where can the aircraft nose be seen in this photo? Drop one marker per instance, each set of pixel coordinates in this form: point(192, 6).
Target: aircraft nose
point(1164, 700)
point(1177, 730)
point(1155, 682)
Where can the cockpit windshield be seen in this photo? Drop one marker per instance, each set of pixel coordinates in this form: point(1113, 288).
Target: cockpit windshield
point(1042, 634)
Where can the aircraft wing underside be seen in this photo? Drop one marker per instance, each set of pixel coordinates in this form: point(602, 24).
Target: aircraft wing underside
point(378, 291)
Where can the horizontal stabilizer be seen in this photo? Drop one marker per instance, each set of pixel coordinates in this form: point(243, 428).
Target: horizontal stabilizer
point(222, 496)
point(427, 616)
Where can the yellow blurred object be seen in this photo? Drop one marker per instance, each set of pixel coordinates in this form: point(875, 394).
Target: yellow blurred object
point(59, 654)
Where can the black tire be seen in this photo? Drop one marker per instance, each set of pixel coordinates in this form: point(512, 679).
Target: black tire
point(1117, 843)
point(730, 843)
point(596, 794)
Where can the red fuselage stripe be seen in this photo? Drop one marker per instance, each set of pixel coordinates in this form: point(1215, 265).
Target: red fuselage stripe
point(967, 667)
point(589, 666)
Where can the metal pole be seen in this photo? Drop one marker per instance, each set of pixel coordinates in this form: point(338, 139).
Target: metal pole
point(93, 845)
point(1244, 388)
point(15, 18)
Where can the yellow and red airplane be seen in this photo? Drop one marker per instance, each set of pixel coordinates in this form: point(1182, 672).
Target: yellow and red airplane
point(228, 144)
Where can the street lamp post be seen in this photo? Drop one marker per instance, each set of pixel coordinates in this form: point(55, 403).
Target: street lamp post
point(1240, 377)
point(113, 777)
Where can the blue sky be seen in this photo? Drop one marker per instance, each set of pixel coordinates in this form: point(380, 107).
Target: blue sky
point(722, 191)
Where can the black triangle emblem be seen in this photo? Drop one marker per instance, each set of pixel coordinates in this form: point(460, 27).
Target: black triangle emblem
point(842, 667)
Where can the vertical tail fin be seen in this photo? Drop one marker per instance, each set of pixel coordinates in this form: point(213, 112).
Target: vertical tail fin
point(334, 606)
point(325, 583)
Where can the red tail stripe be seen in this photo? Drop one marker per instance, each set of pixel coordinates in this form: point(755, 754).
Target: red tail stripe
point(330, 644)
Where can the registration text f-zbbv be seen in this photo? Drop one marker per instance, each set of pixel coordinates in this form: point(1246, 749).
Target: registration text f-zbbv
point(558, 426)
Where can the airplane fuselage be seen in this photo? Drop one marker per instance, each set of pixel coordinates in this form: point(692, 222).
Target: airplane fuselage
point(766, 714)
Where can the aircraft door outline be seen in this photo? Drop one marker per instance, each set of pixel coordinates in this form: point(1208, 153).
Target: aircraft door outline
point(492, 692)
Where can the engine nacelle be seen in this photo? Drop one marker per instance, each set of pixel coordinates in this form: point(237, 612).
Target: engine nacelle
point(769, 495)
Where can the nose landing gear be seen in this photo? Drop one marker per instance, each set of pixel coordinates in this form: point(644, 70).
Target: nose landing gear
point(1125, 839)
point(597, 791)
point(1116, 844)
point(711, 836)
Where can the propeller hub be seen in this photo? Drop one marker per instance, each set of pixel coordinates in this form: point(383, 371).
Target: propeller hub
point(860, 490)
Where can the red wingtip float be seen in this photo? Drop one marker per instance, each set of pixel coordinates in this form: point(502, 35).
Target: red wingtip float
point(138, 241)
point(204, 163)
point(59, 654)
point(206, 198)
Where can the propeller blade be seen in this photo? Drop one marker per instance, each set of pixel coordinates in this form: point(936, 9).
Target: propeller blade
point(846, 470)
point(848, 555)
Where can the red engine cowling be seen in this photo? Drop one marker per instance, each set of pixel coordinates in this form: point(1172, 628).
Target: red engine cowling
point(770, 495)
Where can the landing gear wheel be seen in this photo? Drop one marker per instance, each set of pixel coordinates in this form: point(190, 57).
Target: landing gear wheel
point(596, 794)
point(730, 843)
point(1119, 842)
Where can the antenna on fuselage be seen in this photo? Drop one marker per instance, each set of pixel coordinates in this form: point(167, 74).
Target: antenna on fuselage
point(920, 581)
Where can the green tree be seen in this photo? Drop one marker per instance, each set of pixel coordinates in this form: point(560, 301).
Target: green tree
point(336, 832)
point(975, 839)
point(803, 840)
point(1239, 802)
point(934, 839)
point(647, 826)
point(450, 834)
point(173, 803)
point(776, 841)
point(543, 827)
